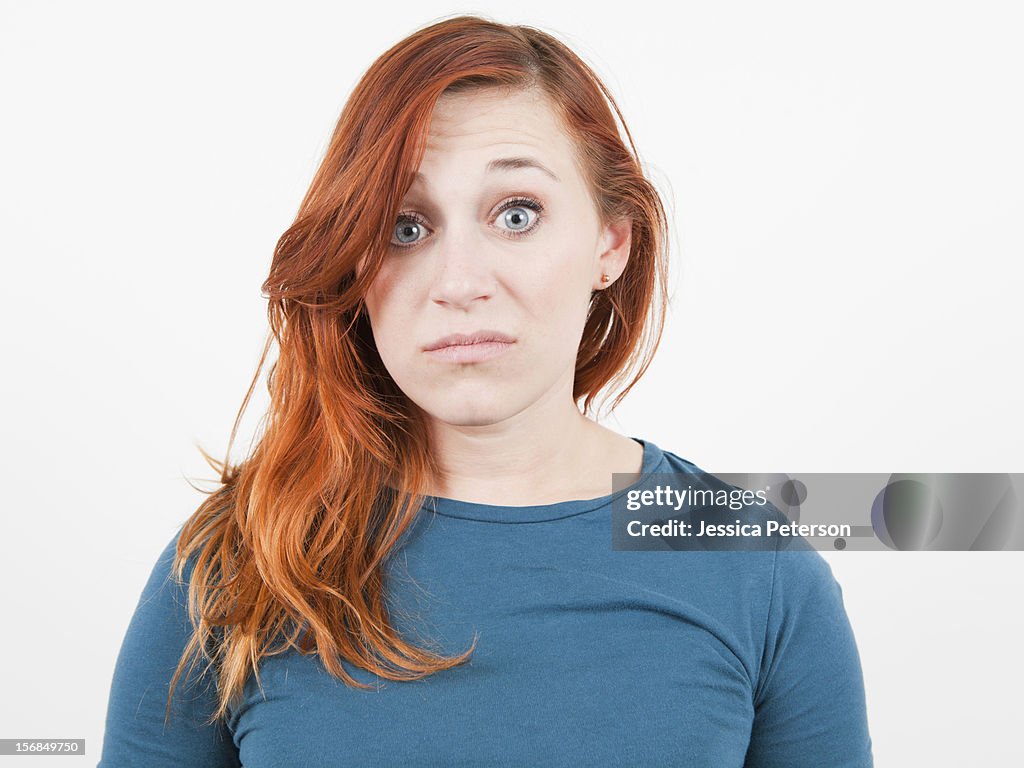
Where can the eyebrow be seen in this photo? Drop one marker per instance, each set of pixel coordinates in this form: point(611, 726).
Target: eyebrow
point(511, 164)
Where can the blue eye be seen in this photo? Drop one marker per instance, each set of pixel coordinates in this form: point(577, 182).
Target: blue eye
point(408, 225)
point(517, 218)
point(514, 212)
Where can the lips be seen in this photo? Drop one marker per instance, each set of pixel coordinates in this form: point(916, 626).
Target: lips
point(468, 339)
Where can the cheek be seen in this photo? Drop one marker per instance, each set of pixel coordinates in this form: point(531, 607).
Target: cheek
point(561, 284)
point(380, 296)
point(389, 306)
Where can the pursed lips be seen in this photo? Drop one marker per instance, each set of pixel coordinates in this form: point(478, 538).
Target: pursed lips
point(469, 339)
point(469, 348)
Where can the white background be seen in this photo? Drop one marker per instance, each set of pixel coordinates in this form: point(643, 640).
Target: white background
point(845, 187)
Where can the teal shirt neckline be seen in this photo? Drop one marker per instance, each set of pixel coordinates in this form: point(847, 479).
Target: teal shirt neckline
point(653, 459)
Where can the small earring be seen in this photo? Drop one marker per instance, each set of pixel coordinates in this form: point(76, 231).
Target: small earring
point(605, 278)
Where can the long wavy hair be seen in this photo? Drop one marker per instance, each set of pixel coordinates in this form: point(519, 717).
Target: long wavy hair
point(289, 551)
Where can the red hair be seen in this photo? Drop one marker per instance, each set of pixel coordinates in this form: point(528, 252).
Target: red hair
point(288, 552)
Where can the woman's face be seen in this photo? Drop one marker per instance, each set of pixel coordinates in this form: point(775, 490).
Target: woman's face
point(485, 243)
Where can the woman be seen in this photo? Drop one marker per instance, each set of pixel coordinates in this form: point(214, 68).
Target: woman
point(414, 565)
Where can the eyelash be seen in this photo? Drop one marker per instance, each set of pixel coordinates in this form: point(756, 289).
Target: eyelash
point(515, 202)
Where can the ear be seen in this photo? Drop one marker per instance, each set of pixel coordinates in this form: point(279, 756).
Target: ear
point(616, 242)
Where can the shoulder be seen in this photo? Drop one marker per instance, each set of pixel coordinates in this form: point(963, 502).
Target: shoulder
point(164, 583)
point(787, 567)
point(161, 618)
point(671, 462)
point(139, 728)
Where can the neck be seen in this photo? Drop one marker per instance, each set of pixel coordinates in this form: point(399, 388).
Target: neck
point(520, 461)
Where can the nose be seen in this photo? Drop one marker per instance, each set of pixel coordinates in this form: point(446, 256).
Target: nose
point(463, 271)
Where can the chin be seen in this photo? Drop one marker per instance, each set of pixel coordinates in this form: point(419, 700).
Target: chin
point(480, 421)
point(471, 412)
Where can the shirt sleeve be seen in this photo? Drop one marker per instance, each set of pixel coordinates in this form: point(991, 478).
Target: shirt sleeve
point(135, 734)
point(809, 701)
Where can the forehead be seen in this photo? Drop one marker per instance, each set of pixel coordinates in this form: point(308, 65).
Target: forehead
point(473, 128)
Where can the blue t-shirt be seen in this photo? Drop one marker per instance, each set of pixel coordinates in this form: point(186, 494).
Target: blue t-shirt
point(585, 656)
